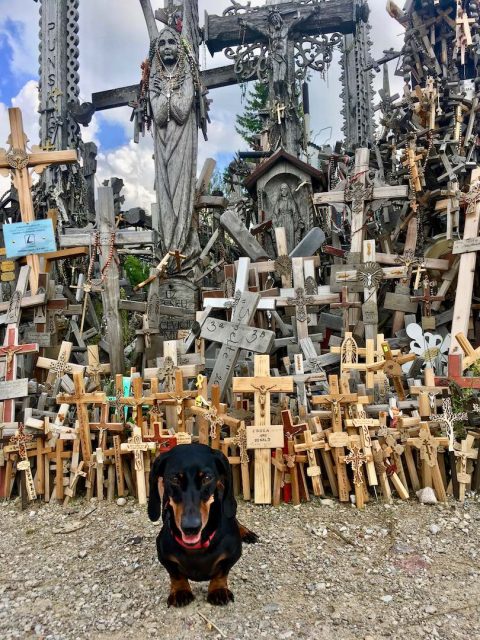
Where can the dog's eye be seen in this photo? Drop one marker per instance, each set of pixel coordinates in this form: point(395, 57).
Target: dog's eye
point(175, 480)
point(206, 479)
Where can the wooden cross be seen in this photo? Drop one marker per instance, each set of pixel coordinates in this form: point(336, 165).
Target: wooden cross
point(427, 299)
point(313, 471)
point(364, 424)
point(161, 269)
point(77, 474)
point(94, 368)
point(391, 366)
point(262, 435)
point(137, 401)
point(17, 161)
point(413, 163)
point(239, 440)
point(472, 355)
point(178, 398)
point(61, 366)
point(242, 315)
point(213, 417)
point(105, 427)
point(350, 352)
point(10, 351)
point(136, 445)
point(14, 311)
point(357, 458)
point(467, 269)
point(335, 400)
point(290, 486)
point(463, 33)
point(298, 298)
point(235, 336)
point(18, 443)
point(346, 305)
point(428, 446)
point(371, 274)
point(465, 452)
point(81, 399)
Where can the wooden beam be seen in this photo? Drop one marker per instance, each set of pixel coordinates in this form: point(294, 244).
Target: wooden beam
point(225, 31)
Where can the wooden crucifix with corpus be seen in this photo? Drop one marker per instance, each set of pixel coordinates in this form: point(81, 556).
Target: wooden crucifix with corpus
point(263, 436)
point(17, 161)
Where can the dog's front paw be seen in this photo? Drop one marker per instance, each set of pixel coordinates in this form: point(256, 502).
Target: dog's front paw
point(180, 598)
point(220, 597)
point(250, 537)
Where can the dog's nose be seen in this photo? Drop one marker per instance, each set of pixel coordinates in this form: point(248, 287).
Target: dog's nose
point(191, 524)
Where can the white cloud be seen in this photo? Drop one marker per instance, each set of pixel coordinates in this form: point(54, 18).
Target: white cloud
point(134, 165)
point(27, 101)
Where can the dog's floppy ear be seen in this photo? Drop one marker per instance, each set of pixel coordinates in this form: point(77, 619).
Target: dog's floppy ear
point(229, 504)
point(157, 471)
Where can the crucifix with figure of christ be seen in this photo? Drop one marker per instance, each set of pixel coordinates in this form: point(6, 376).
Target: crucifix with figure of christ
point(17, 161)
point(263, 436)
point(336, 400)
point(280, 28)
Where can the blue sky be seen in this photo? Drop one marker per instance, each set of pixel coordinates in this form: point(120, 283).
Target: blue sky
point(10, 81)
point(113, 42)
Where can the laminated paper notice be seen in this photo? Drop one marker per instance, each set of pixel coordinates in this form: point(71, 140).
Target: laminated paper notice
point(28, 238)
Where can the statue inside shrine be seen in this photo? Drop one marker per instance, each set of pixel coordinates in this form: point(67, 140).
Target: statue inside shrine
point(286, 214)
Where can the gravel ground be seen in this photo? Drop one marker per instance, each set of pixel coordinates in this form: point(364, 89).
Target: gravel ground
point(322, 570)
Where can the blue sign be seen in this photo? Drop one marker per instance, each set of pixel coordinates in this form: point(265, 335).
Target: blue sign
point(26, 238)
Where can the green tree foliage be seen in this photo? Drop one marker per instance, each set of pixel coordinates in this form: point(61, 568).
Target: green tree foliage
point(249, 123)
point(136, 270)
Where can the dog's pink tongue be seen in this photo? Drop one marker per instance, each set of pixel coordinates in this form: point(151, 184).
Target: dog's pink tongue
point(191, 539)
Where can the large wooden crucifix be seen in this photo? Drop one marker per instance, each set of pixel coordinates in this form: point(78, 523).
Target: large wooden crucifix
point(277, 44)
point(17, 161)
point(262, 386)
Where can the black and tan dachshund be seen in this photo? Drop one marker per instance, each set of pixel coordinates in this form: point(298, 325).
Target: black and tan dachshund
point(201, 538)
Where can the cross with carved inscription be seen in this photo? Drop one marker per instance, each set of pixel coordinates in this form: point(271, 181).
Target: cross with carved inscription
point(428, 446)
point(335, 401)
point(18, 442)
point(364, 424)
point(138, 447)
point(464, 452)
point(59, 367)
point(10, 350)
point(95, 369)
point(357, 458)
